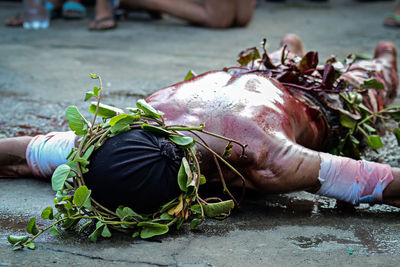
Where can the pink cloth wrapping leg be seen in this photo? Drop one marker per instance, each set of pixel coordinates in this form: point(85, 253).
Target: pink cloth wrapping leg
point(353, 181)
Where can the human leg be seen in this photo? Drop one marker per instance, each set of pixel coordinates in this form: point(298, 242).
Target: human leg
point(12, 157)
point(393, 19)
point(34, 156)
point(104, 16)
point(208, 13)
point(72, 9)
point(383, 68)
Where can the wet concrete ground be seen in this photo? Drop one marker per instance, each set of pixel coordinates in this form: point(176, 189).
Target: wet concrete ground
point(42, 72)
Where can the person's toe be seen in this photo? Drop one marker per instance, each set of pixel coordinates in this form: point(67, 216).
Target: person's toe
point(294, 44)
point(388, 51)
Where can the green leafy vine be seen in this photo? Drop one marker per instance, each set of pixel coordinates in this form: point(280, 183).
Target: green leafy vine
point(74, 206)
point(357, 121)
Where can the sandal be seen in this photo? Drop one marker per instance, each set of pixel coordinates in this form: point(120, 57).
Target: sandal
point(73, 10)
point(392, 20)
point(106, 23)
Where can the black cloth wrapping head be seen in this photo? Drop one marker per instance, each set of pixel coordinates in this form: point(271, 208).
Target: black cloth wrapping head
point(137, 169)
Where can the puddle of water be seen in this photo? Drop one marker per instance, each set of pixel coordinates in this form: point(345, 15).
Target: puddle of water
point(13, 223)
point(313, 242)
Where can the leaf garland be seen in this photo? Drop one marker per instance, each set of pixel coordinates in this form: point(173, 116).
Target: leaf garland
point(356, 119)
point(75, 208)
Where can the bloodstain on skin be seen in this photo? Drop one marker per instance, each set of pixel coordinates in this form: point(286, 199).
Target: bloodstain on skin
point(254, 110)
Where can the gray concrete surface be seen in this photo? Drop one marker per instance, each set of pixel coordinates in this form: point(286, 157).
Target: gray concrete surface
point(42, 72)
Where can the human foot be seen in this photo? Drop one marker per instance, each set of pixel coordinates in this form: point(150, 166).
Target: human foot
point(52, 6)
point(106, 23)
point(387, 50)
point(392, 20)
point(294, 44)
point(104, 16)
point(14, 21)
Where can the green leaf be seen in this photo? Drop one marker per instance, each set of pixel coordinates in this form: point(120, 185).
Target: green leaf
point(83, 162)
point(13, 239)
point(67, 185)
point(93, 76)
point(96, 90)
point(347, 121)
point(194, 223)
point(81, 195)
point(126, 117)
point(196, 209)
point(396, 133)
point(73, 166)
point(70, 223)
point(31, 245)
point(47, 213)
point(189, 75)
point(374, 141)
point(88, 95)
point(182, 141)
point(68, 205)
point(372, 84)
point(106, 232)
point(18, 246)
point(88, 204)
point(369, 128)
point(182, 176)
point(155, 129)
point(96, 233)
point(119, 212)
point(59, 196)
point(203, 179)
point(120, 128)
point(121, 122)
point(135, 234)
point(248, 55)
point(364, 108)
point(179, 223)
point(363, 56)
point(354, 140)
point(166, 217)
point(129, 212)
point(216, 209)
point(85, 226)
point(152, 229)
point(32, 227)
point(59, 177)
point(105, 111)
point(88, 152)
point(76, 121)
point(54, 231)
point(169, 205)
point(148, 110)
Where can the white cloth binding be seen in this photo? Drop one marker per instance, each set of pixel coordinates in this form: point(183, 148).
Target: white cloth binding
point(46, 152)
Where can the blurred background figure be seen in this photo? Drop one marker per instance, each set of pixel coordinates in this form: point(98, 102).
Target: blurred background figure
point(393, 19)
point(206, 13)
point(70, 9)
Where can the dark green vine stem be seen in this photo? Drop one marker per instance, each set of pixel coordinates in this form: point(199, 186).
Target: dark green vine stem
point(98, 103)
